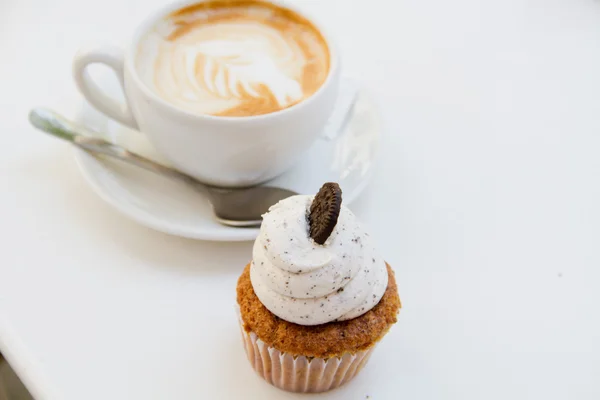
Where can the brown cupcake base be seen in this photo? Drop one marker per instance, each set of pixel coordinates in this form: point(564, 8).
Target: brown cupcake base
point(316, 358)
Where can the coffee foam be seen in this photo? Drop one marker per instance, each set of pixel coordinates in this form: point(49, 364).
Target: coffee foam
point(233, 58)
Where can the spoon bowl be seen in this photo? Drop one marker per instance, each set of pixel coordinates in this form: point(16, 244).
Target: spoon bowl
point(244, 208)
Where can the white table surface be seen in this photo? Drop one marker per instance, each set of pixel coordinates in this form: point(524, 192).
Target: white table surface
point(486, 201)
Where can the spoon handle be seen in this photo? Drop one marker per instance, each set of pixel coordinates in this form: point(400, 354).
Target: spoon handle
point(57, 125)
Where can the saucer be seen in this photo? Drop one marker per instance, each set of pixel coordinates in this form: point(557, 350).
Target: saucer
point(344, 153)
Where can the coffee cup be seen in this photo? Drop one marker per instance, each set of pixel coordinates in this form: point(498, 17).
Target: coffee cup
point(230, 92)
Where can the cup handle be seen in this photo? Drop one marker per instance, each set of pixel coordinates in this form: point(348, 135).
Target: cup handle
point(112, 57)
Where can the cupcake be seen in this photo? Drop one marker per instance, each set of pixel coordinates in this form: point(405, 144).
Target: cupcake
point(317, 297)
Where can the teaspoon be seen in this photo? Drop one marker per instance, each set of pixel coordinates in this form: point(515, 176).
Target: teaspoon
point(232, 207)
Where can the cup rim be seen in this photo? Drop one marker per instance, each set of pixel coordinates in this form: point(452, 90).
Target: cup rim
point(153, 18)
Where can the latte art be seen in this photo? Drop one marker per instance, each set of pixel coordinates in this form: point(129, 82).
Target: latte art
point(233, 58)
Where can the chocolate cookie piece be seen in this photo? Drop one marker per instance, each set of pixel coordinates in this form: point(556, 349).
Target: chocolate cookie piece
point(324, 212)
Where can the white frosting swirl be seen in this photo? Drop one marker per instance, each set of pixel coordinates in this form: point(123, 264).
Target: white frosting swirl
point(306, 283)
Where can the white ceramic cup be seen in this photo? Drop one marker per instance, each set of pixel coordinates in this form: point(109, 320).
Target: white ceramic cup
point(221, 151)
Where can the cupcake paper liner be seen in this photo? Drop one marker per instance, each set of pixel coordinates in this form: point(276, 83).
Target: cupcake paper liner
point(299, 373)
